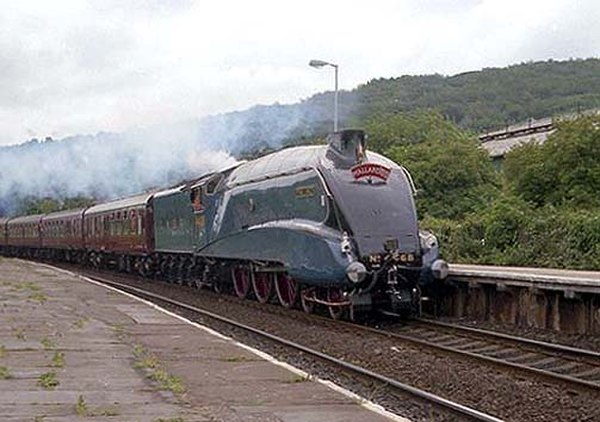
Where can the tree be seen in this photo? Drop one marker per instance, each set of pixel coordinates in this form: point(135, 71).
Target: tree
point(32, 205)
point(388, 130)
point(453, 173)
point(565, 170)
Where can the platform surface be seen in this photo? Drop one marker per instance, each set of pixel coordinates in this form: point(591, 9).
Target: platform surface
point(71, 350)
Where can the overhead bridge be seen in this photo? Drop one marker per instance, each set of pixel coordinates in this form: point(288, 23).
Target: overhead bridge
point(498, 143)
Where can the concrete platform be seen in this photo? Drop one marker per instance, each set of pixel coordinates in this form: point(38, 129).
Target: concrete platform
point(70, 349)
point(560, 300)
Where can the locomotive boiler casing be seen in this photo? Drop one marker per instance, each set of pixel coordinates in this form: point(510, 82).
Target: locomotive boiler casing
point(305, 211)
point(272, 213)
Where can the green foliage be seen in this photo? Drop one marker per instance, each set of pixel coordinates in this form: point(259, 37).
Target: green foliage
point(490, 98)
point(512, 232)
point(548, 214)
point(32, 205)
point(453, 174)
point(5, 373)
point(389, 130)
point(81, 407)
point(48, 380)
point(75, 202)
point(565, 170)
point(58, 360)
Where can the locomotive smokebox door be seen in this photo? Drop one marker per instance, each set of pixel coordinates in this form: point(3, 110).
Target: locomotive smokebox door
point(349, 146)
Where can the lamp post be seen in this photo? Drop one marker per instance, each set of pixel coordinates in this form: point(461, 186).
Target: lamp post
point(318, 64)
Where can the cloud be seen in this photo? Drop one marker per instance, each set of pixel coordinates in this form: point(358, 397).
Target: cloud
point(69, 67)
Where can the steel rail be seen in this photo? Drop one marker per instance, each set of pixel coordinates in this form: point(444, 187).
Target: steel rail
point(554, 347)
point(414, 338)
point(421, 394)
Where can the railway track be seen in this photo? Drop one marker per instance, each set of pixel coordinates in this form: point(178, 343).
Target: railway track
point(560, 363)
point(575, 367)
point(424, 396)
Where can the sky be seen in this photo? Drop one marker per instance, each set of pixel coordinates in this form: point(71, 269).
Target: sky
point(79, 67)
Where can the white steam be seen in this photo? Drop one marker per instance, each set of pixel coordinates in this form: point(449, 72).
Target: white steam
point(105, 166)
point(108, 165)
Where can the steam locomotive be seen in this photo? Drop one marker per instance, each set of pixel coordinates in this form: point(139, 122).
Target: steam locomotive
point(331, 225)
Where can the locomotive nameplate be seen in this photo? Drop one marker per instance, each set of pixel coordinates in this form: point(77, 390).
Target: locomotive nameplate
point(370, 171)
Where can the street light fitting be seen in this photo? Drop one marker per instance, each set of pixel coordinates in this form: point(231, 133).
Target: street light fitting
point(318, 63)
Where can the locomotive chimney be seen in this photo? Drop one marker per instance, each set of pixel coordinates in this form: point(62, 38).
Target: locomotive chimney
point(347, 147)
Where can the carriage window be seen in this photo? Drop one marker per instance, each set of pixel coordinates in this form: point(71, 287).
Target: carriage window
point(140, 224)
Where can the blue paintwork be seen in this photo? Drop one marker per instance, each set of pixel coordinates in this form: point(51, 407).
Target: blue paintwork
point(309, 252)
point(292, 207)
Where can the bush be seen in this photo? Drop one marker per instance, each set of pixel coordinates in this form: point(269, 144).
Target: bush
point(513, 233)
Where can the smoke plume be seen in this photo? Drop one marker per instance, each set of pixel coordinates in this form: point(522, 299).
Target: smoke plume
point(112, 165)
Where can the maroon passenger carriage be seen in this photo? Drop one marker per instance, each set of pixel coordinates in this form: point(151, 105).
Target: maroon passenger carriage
point(24, 236)
point(3, 242)
point(119, 233)
point(62, 236)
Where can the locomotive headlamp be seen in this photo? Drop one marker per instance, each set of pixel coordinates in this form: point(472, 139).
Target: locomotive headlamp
point(439, 268)
point(356, 272)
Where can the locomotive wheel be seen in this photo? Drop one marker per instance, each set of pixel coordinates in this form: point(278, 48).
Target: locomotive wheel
point(262, 284)
point(287, 290)
point(308, 306)
point(241, 280)
point(335, 294)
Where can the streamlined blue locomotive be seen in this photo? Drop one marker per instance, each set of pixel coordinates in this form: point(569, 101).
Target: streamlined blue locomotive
point(330, 224)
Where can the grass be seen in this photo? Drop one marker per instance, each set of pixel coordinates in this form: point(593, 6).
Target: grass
point(236, 359)
point(48, 380)
point(19, 334)
point(28, 285)
point(81, 407)
point(38, 297)
point(83, 410)
point(119, 329)
point(4, 373)
point(48, 343)
point(2, 350)
point(150, 363)
point(299, 378)
point(139, 351)
point(167, 381)
point(58, 360)
point(80, 323)
point(109, 411)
